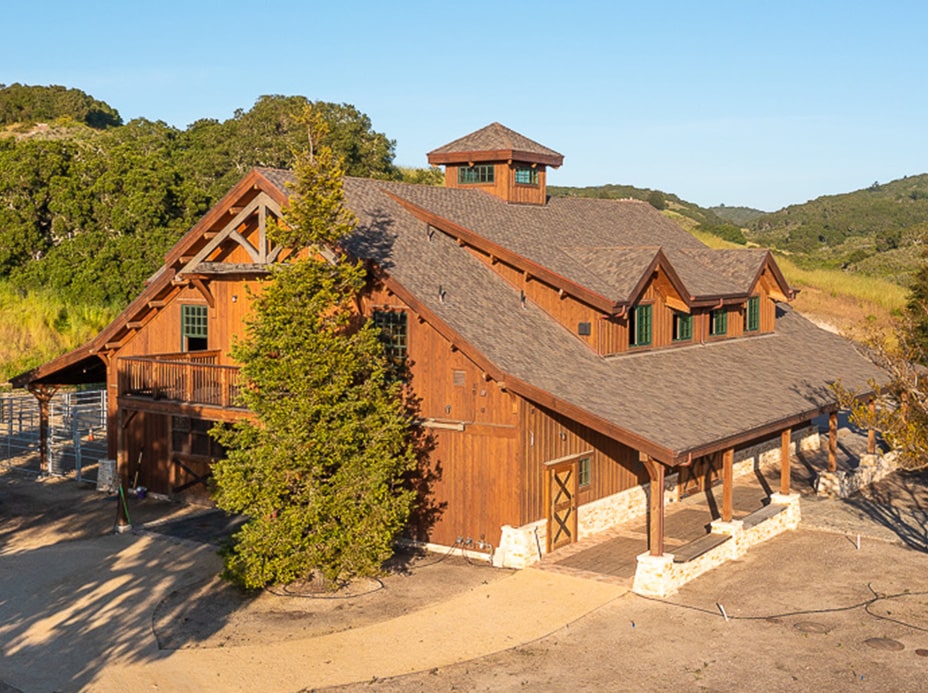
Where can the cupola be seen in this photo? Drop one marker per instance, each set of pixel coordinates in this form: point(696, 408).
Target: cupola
point(500, 161)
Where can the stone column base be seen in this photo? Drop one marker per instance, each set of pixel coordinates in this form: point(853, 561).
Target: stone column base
point(654, 577)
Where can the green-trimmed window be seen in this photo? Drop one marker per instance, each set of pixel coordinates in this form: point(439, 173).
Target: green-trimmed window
point(682, 327)
point(752, 315)
point(395, 337)
point(481, 173)
point(527, 176)
point(194, 330)
point(583, 471)
point(639, 326)
point(718, 322)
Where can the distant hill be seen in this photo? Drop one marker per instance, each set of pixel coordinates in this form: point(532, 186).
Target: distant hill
point(691, 216)
point(740, 216)
point(879, 230)
point(26, 105)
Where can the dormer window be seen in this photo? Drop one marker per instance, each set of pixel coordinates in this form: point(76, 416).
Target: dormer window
point(752, 315)
point(481, 173)
point(639, 326)
point(718, 322)
point(526, 176)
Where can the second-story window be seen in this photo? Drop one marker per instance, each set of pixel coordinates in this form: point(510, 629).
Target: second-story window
point(639, 326)
point(718, 322)
point(527, 176)
point(682, 327)
point(194, 331)
point(481, 173)
point(394, 335)
point(752, 314)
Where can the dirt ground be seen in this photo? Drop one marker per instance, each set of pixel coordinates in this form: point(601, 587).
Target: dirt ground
point(805, 611)
point(210, 612)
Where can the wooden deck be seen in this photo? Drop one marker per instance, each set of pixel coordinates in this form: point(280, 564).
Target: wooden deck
point(191, 378)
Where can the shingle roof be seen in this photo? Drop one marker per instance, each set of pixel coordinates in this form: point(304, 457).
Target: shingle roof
point(681, 399)
point(495, 138)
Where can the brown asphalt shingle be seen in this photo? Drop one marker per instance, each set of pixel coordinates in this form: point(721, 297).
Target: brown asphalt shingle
point(680, 398)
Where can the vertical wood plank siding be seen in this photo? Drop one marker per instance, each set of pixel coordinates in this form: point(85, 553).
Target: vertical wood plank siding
point(504, 184)
point(548, 436)
point(477, 468)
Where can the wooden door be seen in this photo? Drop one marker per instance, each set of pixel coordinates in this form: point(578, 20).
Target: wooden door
point(561, 504)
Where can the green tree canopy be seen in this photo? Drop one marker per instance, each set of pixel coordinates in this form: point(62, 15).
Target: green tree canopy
point(321, 473)
point(24, 104)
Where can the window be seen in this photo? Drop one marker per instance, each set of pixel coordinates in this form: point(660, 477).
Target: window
point(482, 173)
point(193, 328)
point(191, 437)
point(718, 322)
point(682, 327)
point(527, 176)
point(752, 314)
point(639, 326)
point(393, 334)
point(583, 471)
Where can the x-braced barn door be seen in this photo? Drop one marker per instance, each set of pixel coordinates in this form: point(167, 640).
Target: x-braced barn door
point(561, 505)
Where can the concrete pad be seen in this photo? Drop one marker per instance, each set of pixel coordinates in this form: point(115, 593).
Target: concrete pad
point(519, 609)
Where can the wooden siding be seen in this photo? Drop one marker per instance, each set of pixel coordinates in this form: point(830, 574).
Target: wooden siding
point(476, 490)
point(565, 309)
point(547, 436)
point(471, 423)
point(504, 184)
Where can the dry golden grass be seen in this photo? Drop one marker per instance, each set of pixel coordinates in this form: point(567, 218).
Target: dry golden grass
point(36, 327)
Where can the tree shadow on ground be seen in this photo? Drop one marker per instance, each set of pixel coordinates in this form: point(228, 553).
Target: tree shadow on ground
point(900, 504)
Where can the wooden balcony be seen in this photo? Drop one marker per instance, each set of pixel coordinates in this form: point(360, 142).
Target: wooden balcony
point(190, 378)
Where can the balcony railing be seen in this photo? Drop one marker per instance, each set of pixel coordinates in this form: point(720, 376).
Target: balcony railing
point(190, 377)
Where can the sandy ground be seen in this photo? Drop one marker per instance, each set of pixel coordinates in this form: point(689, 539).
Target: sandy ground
point(83, 609)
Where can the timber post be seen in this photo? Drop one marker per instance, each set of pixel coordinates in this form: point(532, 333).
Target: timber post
point(784, 461)
point(655, 506)
point(728, 482)
point(44, 394)
point(871, 431)
point(833, 441)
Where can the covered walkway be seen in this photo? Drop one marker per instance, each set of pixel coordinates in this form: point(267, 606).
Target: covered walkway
point(612, 556)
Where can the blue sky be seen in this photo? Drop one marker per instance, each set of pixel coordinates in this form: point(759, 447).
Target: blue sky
point(743, 103)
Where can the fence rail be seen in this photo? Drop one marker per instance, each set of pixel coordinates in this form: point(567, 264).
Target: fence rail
point(76, 432)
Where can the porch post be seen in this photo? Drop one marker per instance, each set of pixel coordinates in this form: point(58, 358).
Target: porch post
point(871, 432)
point(784, 460)
point(43, 394)
point(728, 482)
point(655, 506)
point(833, 441)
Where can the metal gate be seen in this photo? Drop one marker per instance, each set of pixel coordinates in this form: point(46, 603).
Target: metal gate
point(76, 433)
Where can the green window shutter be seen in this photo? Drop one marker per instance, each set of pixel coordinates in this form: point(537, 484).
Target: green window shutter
point(642, 326)
point(683, 327)
point(719, 322)
point(752, 315)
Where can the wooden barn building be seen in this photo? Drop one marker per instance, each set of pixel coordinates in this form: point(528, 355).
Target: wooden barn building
point(573, 357)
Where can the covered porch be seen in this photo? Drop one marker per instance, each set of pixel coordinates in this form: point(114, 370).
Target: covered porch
point(687, 536)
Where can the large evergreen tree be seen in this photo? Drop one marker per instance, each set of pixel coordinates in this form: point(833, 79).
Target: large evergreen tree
point(321, 472)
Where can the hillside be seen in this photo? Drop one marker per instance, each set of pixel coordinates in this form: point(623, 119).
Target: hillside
point(878, 231)
point(740, 216)
point(694, 216)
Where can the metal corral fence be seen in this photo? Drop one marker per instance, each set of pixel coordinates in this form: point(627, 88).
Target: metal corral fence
point(76, 432)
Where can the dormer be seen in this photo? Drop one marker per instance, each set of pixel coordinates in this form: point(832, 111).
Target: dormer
point(500, 161)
